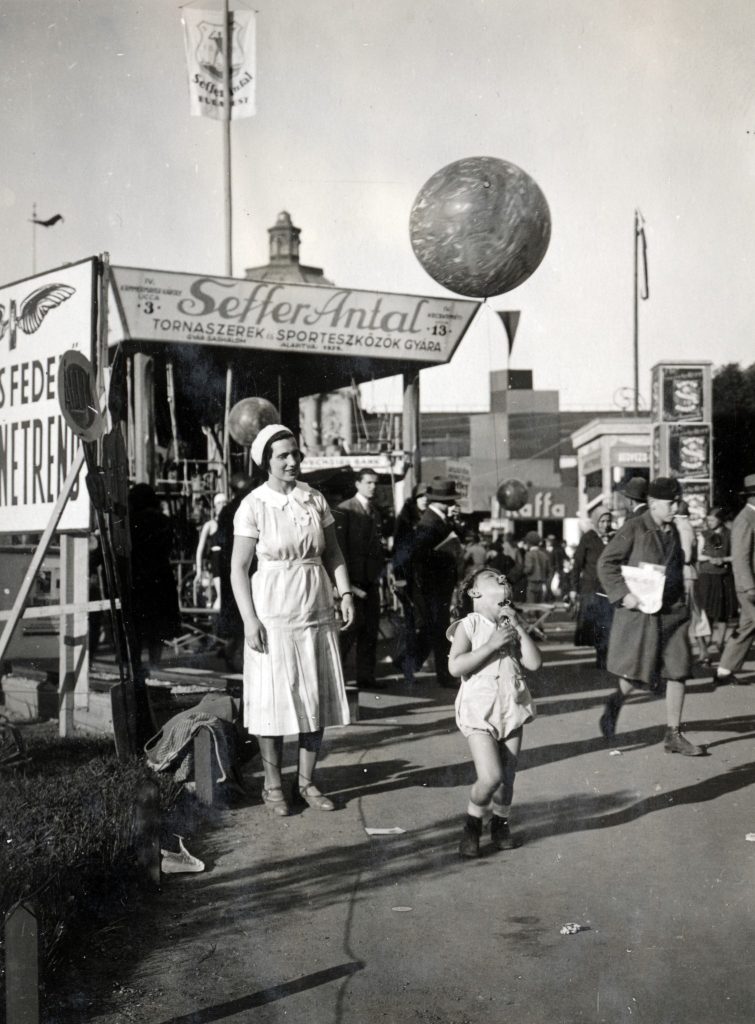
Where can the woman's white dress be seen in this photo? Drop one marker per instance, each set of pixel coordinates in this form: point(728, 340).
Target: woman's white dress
point(297, 686)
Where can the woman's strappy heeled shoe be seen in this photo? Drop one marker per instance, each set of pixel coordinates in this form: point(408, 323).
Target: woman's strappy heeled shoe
point(313, 797)
point(275, 801)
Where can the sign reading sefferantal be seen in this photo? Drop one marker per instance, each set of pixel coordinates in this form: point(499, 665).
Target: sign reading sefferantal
point(40, 318)
point(156, 305)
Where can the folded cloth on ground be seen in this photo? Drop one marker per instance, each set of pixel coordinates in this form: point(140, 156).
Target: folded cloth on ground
point(172, 747)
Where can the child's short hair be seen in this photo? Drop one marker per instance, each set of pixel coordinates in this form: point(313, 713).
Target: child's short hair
point(462, 603)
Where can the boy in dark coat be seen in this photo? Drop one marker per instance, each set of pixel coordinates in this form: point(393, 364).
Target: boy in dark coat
point(643, 645)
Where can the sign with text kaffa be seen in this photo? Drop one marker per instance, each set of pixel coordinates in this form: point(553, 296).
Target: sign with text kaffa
point(41, 318)
point(160, 306)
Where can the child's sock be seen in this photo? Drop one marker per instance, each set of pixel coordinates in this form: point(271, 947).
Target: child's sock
point(477, 810)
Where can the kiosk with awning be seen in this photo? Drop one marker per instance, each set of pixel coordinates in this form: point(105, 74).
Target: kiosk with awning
point(190, 345)
point(227, 339)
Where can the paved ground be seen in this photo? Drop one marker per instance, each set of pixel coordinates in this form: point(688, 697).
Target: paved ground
point(308, 919)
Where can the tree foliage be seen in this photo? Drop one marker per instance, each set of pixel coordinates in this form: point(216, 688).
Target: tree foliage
point(733, 432)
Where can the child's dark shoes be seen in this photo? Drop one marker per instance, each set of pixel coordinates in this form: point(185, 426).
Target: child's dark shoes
point(500, 834)
point(470, 840)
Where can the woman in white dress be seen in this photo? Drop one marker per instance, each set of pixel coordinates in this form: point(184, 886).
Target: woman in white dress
point(293, 680)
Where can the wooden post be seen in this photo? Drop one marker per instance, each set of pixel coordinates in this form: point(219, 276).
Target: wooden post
point(205, 768)
point(410, 429)
point(144, 442)
point(147, 833)
point(73, 646)
point(22, 965)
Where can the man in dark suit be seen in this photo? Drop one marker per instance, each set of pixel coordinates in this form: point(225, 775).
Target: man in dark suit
point(436, 549)
point(743, 564)
point(359, 527)
point(636, 493)
point(230, 625)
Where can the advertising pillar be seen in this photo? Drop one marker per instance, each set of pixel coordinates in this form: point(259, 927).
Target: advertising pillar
point(682, 431)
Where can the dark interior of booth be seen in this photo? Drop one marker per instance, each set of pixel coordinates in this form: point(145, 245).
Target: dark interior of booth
point(199, 380)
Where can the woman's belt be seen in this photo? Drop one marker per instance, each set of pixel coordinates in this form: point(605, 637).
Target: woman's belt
point(287, 563)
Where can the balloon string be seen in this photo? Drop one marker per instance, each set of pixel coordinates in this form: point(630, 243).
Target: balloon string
point(490, 370)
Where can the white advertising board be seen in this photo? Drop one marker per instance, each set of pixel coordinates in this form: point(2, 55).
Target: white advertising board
point(461, 474)
point(40, 318)
point(156, 305)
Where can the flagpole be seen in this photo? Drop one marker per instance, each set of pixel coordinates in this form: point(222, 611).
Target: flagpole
point(227, 54)
point(33, 239)
point(636, 348)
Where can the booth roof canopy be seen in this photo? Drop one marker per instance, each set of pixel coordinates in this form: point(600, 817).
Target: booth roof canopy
point(337, 335)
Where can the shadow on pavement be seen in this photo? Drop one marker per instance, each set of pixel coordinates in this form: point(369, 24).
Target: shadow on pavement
point(583, 813)
point(268, 995)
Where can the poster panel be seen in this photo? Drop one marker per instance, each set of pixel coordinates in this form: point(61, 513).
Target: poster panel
point(697, 494)
point(40, 318)
point(689, 450)
point(683, 396)
point(160, 306)
point(461, 474)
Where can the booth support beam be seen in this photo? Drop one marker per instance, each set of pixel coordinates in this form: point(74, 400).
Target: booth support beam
point(411, 430)
point(144, 435)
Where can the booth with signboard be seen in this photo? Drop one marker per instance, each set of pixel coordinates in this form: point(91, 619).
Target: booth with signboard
point(188, 346)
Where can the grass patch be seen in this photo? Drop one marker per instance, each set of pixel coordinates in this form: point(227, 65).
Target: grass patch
point(67, 837)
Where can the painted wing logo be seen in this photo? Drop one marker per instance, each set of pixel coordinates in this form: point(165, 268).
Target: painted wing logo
point(209, 52)
point(34, 309)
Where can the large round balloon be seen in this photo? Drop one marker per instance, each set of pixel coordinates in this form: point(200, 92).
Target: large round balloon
point(248, 417)
point(480, 226)
point(512, 495)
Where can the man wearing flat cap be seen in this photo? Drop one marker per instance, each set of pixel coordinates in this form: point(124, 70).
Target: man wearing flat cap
point(435, 556)
point(743, 564)
point(644, 645)
point(636, 493)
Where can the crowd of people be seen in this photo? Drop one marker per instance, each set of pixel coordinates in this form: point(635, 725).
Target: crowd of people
point(303, 587)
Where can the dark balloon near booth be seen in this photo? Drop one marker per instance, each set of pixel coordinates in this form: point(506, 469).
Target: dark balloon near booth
point(248, 417)
point(480, 226)
point(512, 495)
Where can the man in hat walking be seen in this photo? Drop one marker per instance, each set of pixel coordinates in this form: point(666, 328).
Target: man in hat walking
point(743, 564)
point(359, 528)
point(642, 644)
point(636, 493)
point(436, 549)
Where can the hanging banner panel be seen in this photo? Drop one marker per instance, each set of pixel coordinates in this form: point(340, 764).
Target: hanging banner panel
point(40, 318)
point(156, 305)
point(205, 59)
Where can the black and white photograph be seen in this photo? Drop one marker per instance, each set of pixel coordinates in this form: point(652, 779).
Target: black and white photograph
point(377, 511)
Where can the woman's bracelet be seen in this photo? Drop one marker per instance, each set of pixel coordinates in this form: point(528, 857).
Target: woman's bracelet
point(346, 593)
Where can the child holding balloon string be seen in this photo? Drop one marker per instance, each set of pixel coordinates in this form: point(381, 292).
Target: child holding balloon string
point(490, 650)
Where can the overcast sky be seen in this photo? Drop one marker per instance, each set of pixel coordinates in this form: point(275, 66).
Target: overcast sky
point(608, 104)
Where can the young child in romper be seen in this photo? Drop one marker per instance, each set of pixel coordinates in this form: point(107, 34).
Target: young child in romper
point(490, 649)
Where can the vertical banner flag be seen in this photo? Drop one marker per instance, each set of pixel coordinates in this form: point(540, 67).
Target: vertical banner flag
point(205, 58)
